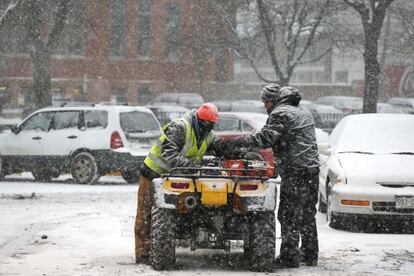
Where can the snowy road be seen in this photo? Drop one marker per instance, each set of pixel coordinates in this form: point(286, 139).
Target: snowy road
point(67, 229)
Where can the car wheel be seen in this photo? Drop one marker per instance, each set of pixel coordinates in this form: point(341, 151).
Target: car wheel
point(2, 174)
point(84, 168)
point(322, 205)
point(131, 177)
point(42, 175)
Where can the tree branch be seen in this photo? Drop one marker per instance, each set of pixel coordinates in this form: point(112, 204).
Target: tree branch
point(311, 36)
point(267, 32)
point(8, 12)
point(253, 65)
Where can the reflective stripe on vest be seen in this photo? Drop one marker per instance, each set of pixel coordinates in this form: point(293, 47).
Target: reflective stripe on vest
point(155, 161)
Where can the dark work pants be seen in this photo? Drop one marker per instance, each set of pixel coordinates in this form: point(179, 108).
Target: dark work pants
point(296, 214)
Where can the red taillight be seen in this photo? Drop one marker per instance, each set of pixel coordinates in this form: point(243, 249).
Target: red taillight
point(180, 185)
point(116, 140)
point(247, 187)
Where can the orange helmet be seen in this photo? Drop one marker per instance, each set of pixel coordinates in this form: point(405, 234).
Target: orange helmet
point(208, 112)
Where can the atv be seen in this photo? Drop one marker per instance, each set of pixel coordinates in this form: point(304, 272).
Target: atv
point(211, 206)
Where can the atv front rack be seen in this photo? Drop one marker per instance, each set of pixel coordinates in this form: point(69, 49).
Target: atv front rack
point(206, 172)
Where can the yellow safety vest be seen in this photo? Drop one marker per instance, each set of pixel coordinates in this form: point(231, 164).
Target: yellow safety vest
point(156, 163)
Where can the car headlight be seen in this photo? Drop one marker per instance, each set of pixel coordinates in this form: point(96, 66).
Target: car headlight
point(340, 181)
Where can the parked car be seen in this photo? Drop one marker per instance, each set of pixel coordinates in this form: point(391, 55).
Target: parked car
point(325, 116)
point(368, 171)
point(240, 106)
point(87, 141)
point(348, 105)
point(167, 113)
point(388, 108)
point(189, 100)
point(406, 104)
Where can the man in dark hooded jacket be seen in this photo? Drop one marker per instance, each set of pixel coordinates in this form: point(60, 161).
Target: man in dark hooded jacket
point(290, 132)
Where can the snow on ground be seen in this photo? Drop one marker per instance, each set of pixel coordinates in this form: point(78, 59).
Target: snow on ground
point(68, 229)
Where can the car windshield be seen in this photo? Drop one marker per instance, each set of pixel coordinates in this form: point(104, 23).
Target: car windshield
point(136, 121)
point(378, 135)
point(258, 120)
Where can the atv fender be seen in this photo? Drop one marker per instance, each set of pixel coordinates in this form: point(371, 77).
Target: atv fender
point(162, 198)
point(262, 201)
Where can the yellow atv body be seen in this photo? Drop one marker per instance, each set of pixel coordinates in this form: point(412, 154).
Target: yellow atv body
point(210, 207)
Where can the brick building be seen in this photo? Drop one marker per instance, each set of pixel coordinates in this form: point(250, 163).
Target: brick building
point(123, 50)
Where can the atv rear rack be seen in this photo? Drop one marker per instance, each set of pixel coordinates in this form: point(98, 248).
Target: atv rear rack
point(198, 173)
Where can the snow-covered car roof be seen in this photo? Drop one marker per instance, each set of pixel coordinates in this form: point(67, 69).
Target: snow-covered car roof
point(168, 108)
point(258, 120)
point(322, 108)
point(374, 133)
point(388, 108)
point(117, 108)
point(411, 100)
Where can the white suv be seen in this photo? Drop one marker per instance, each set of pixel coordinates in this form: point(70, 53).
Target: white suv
point(87, 141)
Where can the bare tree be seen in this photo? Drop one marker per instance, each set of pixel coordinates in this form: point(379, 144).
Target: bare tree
point(403, 36)
point(372, 15)
point(34, 14)
point(294, 28)
point(287, 33)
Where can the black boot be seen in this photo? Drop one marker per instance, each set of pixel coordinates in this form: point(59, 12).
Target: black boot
point(142, 260)
point(282, 262)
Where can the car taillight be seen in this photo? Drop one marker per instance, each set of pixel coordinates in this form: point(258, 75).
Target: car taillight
point(116, 140)
point(180, 185)
point(248, 187)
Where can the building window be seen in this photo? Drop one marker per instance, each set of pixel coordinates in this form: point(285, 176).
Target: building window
point(144, 95)
point(73, 35)
point(118, 28)
point(173, 33)
point(341, 76)
point(119, 96)
point(13, 36)
point(221, 66)
point(145, 28)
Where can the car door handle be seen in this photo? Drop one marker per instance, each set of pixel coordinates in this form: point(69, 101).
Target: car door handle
point(72, 136)
point(36, 138)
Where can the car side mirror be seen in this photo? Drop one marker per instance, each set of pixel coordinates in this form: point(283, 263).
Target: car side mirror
point(15, 129)
point(325, 148)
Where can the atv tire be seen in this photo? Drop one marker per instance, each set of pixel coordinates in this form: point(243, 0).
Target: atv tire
point(163, 225)
point(262, 239)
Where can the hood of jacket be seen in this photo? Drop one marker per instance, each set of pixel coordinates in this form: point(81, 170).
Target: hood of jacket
point(287, 97)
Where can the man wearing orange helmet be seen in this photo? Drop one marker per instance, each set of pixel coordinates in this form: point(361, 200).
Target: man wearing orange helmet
point(183, 144)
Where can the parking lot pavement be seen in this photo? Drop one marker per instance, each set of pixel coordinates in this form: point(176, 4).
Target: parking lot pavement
point(65, 229)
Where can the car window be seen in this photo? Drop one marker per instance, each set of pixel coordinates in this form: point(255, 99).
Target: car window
point(227, 124)
point(323, 101)
point(65, 119)
point(96, 119)
point(40, 121)
point(247, 127)
point(137, 121)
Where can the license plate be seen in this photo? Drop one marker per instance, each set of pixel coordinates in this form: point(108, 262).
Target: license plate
point(404, 202)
